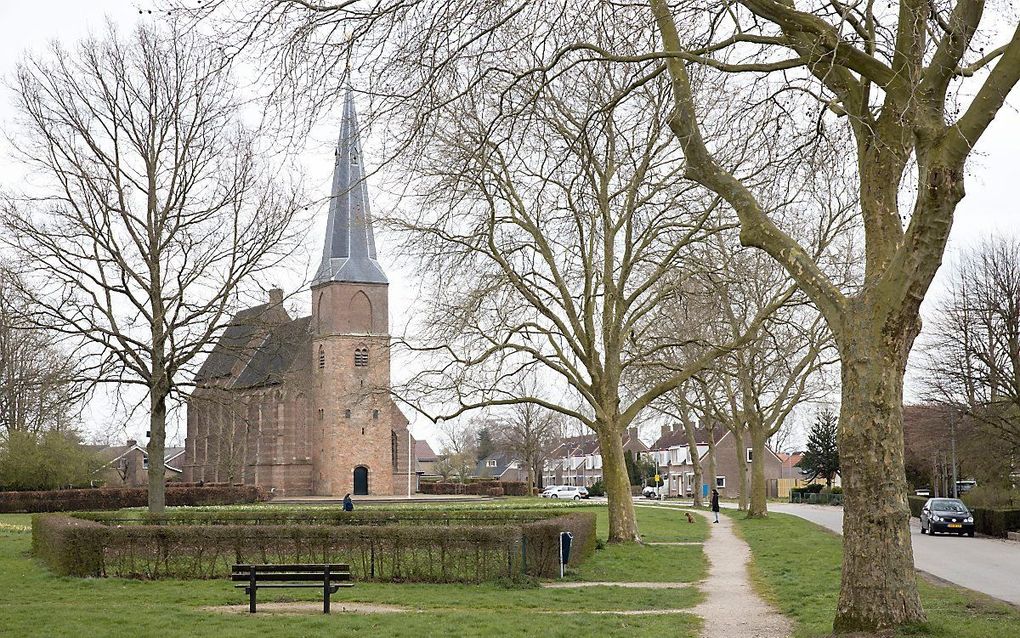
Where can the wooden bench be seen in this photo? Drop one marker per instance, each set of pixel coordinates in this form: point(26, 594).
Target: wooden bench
point(254, 577)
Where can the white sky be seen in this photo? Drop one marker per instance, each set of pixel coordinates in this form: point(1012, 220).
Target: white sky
point(989, 208)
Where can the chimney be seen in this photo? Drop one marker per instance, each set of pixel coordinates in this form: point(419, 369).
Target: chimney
point(664, 431)
point(131, 442)
point(276, 297)
point(633, 433)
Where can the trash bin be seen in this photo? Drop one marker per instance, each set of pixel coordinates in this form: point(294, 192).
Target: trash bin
point(565, 539)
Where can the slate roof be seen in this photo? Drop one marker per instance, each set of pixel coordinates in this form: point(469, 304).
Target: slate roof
point(276, 354)
point(503, 461)
point(349, 250)
point(232, 344)
point(588, 444)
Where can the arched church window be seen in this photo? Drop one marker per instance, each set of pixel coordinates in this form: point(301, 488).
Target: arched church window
point(322, 357)
point(347, 414)
point(361, 357)
point(393, 448)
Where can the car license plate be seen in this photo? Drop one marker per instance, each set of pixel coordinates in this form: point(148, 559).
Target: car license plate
point(954, 525)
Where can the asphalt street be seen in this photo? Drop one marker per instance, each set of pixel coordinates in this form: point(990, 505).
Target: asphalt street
point(987, 565)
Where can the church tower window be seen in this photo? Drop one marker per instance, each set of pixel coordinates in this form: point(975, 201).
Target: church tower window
point(347, 414)
point(322, 357)
point(361, 357)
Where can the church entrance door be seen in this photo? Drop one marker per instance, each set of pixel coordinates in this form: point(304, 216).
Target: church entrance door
point(361, 481)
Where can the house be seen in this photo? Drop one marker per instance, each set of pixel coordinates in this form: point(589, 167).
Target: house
point(128, 465)
point(501, 466)
point(426, 459)
point(578, 461)
point(672, 458)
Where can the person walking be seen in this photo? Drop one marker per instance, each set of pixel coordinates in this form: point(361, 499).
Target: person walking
point(715, 504)
point(348, 503)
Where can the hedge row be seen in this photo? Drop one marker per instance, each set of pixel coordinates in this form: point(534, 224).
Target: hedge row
point(481, 488)
point(323, 516)
point(108, 498)
point(987, 520)
point(412, 551)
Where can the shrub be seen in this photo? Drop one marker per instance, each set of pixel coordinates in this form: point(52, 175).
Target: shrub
point(836, 490)
point(45, 461)
point(813, 488)
point(482, 488)
point(598, 488)
point(996, 522)
point(992, 496)
point(407, 546)
point(117, 498)
point(916, 503)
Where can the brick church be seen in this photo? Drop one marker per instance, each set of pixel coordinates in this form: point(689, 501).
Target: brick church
point(302, 405)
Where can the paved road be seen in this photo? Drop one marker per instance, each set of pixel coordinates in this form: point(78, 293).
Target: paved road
point(987, 565)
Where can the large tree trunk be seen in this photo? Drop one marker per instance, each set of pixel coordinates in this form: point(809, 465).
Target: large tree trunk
point(692, 449)
point(622, 520)
point(741, 473)
point(712, 469)
point(879, 586)
point(155, 450)
point(758, 507)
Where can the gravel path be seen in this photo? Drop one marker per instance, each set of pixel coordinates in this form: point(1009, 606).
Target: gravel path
point(732, 608)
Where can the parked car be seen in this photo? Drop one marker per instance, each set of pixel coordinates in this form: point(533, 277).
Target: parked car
point(564, 491)
point(650, 491)
point(947, 515)
point(547, 489)
point(584, 491)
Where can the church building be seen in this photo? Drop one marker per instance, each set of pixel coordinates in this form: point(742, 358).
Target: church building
point(302, 406)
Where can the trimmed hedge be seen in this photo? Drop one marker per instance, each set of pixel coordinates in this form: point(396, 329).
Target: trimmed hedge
point(990, 521)
point(478, 488)
point(404, 546)
point(106, 498)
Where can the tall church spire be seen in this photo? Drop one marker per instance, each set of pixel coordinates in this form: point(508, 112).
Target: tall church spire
point(349, 251)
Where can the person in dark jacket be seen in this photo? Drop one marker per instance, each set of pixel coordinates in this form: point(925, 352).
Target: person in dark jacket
point(348, 504)
point(715, 504)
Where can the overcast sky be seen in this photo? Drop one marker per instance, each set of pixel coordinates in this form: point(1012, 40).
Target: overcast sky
point(989, 208)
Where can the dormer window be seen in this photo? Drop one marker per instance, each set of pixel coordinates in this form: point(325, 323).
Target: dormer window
point(322, 357)
point(490, 463)
point(354, 158)
point(361, 357)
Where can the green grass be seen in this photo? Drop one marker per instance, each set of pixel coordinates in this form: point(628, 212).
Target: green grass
point(797, 567)
point(33, 602)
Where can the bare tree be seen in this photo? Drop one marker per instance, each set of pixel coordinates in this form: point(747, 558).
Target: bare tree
point(460, 449)
point(551, 241)
point(530, 431)
point(156, 208)
point(972, 358)
point(916, 84)
point(40, 388)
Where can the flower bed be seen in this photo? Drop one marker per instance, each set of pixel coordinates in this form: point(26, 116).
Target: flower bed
point(396, 546)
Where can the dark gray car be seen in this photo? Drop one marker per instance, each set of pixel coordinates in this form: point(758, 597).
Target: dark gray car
point(947, 515)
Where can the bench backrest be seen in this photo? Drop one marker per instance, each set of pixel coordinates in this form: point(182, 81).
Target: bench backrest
point(287, 573)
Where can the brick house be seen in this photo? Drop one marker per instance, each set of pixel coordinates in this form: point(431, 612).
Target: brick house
point(128, 465)
point(578, 461)
point(672, 457)
point(302, 406)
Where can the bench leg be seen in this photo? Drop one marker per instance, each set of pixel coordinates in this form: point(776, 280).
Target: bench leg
point(251, 591)
point(325, 591)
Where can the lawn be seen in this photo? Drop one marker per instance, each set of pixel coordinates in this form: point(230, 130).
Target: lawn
point(797, 567)
point(33, 602)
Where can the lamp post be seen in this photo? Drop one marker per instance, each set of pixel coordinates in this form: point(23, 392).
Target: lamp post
point(952, 441)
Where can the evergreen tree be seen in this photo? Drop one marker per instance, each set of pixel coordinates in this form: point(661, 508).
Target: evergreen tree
point(822, 455)
point(485, 444)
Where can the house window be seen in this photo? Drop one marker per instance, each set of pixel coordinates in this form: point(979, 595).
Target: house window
point(322, 357)
point(720, 481)
point(361, 357)
point(750, 454)
point(145, 462)
point(490, 463)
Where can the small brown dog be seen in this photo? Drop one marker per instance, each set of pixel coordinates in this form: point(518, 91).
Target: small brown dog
point(690, 519)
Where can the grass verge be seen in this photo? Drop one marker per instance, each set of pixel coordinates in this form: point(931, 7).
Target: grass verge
point(796, 566)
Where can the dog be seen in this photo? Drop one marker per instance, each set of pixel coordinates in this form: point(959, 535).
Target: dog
point(690, 519)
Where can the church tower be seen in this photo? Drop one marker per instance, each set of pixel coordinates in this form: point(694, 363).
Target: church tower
point(359, 435)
